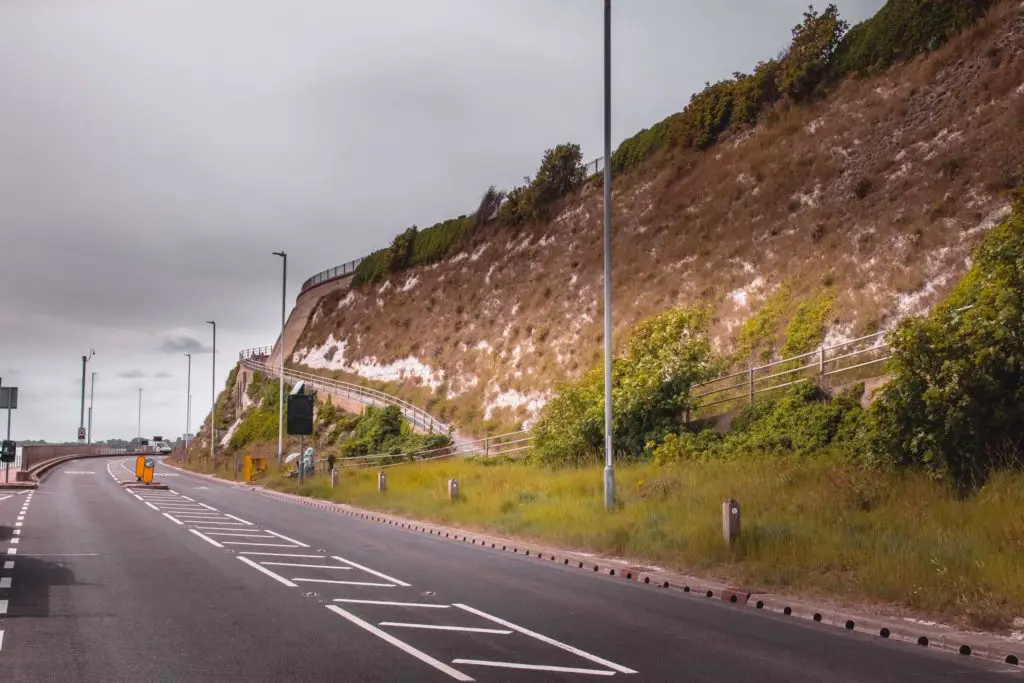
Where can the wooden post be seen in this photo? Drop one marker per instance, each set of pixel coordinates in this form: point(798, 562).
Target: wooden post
point(750, 389)
point(453, 490)
point(730, 521)
point(821, 362)
point(382, 482)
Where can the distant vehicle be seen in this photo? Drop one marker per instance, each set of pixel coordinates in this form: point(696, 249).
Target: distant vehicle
point(163, 448)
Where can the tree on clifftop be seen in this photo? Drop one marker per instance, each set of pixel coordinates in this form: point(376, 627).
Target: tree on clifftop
point(815, 40)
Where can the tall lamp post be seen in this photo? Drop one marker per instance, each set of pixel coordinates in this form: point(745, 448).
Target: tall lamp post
point(140, 413)
point(609, 471)
point(81, 415)
point(188, 400)
point(213, 394)
point(280, 398)
point(92, 395)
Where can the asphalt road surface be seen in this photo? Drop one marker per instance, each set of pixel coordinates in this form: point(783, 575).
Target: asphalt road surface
point(213, 583)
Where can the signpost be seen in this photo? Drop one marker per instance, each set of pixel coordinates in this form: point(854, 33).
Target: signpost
point(300, 421)
point(8, 400)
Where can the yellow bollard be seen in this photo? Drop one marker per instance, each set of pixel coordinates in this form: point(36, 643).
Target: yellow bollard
point(140, 466)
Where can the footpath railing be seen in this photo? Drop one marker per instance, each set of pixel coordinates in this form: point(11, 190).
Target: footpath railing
point(355, 392)
point(334, 273)
point(510, 444)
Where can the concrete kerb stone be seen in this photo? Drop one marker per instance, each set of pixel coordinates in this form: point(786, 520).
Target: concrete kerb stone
point(982, 645)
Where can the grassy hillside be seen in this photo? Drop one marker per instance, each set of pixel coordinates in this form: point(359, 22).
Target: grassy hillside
point(834, 214)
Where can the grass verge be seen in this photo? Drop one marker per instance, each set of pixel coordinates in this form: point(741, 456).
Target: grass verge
point(814, 527)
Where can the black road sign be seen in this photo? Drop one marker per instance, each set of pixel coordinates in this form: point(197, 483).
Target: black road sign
point(299, 421)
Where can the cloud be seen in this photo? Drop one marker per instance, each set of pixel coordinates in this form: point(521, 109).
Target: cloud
point(163, 374)
point(132, 374)
point(183, 344)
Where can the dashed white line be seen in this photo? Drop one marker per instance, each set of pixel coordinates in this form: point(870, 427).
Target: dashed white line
point(208, 507)
point(347, 583)
point(282, 536)
point(276, 577)
point(3, 607)
point(545, 639)
point(1, 639)
point(535, 667)
point(5, 582)
point(391, 604)
point(206, 538)
point(15, 541)
point(401, 645)
point(174, 519)
point(371, 571)
point(12, 551)
point(238, 519)
point(440, 627)
point(152, 506)
point(138, 496)
point(305, 566)
point(187, 498)
point(9, 564)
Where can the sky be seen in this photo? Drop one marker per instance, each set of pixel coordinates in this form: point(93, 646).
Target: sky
point(154, 153)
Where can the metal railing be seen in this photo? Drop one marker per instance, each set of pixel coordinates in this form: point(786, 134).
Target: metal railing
point(355, 392)
point(334, 273)
point(492, 446)
point(857, 359)
point(257, 353)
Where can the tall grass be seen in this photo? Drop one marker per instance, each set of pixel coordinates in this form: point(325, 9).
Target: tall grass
point(811, 526)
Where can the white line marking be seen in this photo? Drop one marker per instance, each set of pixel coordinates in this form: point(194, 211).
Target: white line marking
point(208, 507)
point(254, 552)
point(347, 583)
point(174, 519)
point(139, 497)
point(545, 639)
point(9, 564)
point(214, 528)
point(238, 518)
point(6, 497)
point(438, 627)
point(282, 536)
point(153, 506)
point(187, 498)
point(307, 566)
point(371, 571)
point(391, 604)
point(15, 541)
point(1, 639)
point(206, 538)
point(224, 533)
point(185, 512)
point(408, 649)
point(3, 607)
point(535, 667)
point(17, 532)
point(12, 551)
point(21, 517)
point(17, 524)
point(276, 577)
point(5, 582)
point(265, 545)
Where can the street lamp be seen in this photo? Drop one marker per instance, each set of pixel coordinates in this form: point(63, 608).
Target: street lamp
point(609, 471)
point(280, 396)
point(188, 400)
point(81, 415)
point(92, 390)
point(213, 394)
point(140, 414)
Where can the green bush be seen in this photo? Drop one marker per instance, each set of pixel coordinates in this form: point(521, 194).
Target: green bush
point(664, 357)
point(371, 269)
point(903, 29)
point(955, 403)
point(398, 254)
point(635, 150)
point(708, 115)
point(807, 327)
point(438, 241)
point(561, 171)
point(815, 41)
point(259, 425)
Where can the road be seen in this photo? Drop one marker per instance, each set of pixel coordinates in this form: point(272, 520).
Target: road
point(210, 582)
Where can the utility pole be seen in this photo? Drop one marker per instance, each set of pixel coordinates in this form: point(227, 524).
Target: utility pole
point(81, 414)
point(92, 395)
point(188, 399)
point(280, 396)
point(140, 413)
point(213, 395)
point(609, 471)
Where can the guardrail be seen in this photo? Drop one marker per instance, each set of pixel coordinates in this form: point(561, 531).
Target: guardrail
point(256, 353)
point(35, 457)
point(365, 395)
point(334, 273)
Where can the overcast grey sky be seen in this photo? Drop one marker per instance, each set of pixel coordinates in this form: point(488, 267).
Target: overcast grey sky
point(153, 153)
